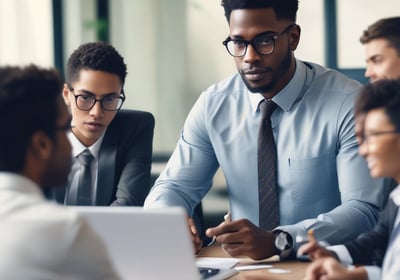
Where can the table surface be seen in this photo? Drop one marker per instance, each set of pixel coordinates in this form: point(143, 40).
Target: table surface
point(294, 269)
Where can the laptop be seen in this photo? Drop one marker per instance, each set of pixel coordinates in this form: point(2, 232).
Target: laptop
point(149, 243)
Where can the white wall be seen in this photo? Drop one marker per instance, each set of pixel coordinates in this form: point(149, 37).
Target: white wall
point(26, 32)
point(353, 18)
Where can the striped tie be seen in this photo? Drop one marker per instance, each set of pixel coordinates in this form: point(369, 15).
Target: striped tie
point(85, 179)
point(267, 193)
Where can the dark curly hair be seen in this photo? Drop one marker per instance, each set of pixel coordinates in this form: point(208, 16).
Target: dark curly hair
point(383, 94)
point(386, 28)
point(96, 56)
point(28, 103)
point(284, 9)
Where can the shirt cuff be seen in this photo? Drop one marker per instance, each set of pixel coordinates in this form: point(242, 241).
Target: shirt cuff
point(342, 253)
point(374, 272)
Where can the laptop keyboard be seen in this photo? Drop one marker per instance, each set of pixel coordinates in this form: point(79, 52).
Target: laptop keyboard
point(207, 272)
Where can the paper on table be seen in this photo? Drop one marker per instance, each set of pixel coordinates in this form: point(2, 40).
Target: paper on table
point(216, 262)
point(252, 266)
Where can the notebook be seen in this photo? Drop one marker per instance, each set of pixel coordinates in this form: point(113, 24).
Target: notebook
point(149, 243)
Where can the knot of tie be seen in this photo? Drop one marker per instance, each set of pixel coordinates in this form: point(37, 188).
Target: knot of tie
point(85, 157)
point(267, 107)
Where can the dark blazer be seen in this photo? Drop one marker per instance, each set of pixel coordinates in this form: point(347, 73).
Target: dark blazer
point(124, 161)
point(369, 248)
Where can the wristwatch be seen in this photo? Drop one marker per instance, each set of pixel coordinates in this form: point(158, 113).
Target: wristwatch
point(283, 243)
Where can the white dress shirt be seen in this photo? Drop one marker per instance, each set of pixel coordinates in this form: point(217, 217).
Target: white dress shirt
point(391, 262)
point(77, 149)
point(42, 240)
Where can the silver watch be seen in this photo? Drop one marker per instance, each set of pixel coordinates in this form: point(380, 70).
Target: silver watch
point(284, 243)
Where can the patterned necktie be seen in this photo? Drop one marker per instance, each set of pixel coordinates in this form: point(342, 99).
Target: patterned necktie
point(268, 199)
point(85, 179)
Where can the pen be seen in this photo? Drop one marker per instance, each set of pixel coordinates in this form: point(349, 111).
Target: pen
point(227, 218)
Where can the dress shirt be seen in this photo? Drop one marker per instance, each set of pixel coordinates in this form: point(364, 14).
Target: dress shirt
point(43, 240)
point(391, 263)
point(77, 149)
point(322, 181)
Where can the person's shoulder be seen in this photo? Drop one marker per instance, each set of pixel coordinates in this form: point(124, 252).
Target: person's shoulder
point(332, 80)
point(50, 212)
point(128, 115)
point(231, 85)
point(131, 118)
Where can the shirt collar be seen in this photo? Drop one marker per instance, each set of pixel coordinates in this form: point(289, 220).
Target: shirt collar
point(78, 147)
point(289, 94)
point(395, 195)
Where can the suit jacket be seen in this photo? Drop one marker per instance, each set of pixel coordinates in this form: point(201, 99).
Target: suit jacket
point(370, 247)
point(124, 163)
point(42, 240)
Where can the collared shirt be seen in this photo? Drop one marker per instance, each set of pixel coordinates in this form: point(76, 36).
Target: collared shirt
point(322, 181)
point(44, 240)
point(77, 149)
point(391, 263)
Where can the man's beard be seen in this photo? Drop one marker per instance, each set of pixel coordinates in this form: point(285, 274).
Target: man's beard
point(281, 70)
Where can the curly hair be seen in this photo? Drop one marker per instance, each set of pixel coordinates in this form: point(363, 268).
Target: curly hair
point(383, 94)
point(284, 9)
point(28, 103)
point(96, 56)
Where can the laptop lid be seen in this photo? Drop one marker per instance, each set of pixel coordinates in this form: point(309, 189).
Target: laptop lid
point(146, 243)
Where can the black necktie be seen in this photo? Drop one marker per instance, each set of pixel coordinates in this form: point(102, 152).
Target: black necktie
point(85, 179)
point(268, 199)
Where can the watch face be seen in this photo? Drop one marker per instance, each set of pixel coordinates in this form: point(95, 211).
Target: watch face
point(281, 241)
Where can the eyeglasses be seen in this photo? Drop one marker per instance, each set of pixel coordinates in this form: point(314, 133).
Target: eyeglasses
point(263, 43)
point(364, 138)
point(85, 101)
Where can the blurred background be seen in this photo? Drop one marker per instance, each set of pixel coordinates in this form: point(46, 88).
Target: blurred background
point(173, 47)
point(173, 50)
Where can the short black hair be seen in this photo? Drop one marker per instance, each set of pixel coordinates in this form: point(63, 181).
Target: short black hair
point(284, 9)
point(386, 28)
point(383, 94)
point(28, 103)
point(99, 56)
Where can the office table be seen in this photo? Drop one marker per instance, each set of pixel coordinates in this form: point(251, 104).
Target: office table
point(295, 269)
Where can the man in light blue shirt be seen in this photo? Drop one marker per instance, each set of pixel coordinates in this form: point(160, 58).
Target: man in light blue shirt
point(322, 183)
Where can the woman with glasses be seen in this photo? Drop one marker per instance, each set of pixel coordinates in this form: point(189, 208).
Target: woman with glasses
point(112, 148)
point(375, 254)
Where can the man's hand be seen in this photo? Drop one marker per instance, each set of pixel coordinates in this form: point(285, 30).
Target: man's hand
point(330, 269)
point(314, 250)
point(197, 242)
point(243, 238)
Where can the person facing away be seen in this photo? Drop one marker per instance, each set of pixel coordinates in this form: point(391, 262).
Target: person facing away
point(312, 127)
point(375, 253)
point(40, 239)
point(119, 142)
point(382, 49)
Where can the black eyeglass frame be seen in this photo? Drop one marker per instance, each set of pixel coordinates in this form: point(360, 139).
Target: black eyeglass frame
point(267, 34)
point(121, 97)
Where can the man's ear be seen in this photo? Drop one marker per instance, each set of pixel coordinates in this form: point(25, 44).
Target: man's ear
point(294, 37)
point(65, 94)
point(41, 146)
